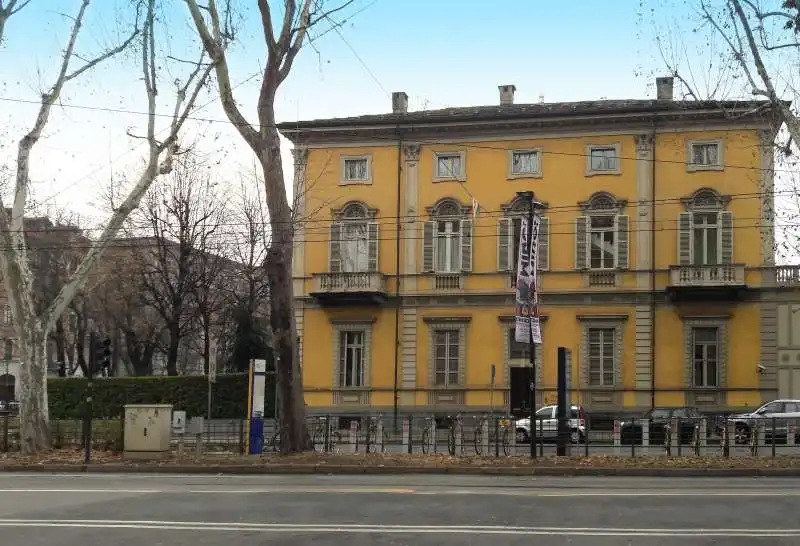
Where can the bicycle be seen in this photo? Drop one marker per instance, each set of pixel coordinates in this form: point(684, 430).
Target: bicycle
point(429, 435)
point(456, 431)
point(497, 434)
point(325, 436)
point(372, 436)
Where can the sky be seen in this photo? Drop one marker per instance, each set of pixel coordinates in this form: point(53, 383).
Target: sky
point(442, 53)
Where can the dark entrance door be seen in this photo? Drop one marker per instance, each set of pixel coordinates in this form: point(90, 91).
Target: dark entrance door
point(520, 378)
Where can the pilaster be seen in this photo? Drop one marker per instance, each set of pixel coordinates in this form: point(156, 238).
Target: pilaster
point(411, 212)
point(643, 315)
point(298, 193)
point(768, 373)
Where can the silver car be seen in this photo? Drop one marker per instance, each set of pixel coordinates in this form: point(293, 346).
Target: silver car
point(547, 425)
point(779, 412)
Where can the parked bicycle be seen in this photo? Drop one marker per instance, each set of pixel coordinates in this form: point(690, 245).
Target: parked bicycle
point(498, 433)
point(429, 435)
point(324, 435)
point(376, 441)
point(455, 433)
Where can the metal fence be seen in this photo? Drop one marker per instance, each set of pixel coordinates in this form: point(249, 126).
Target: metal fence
point(464, 435)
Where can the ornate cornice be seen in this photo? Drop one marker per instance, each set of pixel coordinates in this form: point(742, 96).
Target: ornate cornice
point(411, 151)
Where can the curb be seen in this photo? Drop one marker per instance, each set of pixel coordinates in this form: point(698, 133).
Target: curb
point(554, 471)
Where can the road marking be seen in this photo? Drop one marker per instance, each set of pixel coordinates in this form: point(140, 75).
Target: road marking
point(334, 490)
point(396, 529)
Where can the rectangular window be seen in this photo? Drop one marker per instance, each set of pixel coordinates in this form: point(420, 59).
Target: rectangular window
point(602, 250)
point(356, 169)
point(449, 166)
point(517, 350)
point(705, 354)
point(524, 162)
point(351, 358)
point(446, 357)
point(706, 240)
point(448, 246)
point(601, 357)
point(354, 247)
point(8, 316)
point(705, 154)
point(603, 158)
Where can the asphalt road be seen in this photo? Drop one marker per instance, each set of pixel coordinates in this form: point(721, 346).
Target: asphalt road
point(76, 510)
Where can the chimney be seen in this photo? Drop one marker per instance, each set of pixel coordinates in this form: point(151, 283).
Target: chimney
point(507, 94)
point(399, 102)
point(664, 88)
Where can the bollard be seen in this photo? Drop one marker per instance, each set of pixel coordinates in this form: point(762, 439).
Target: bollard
point(791, 432)
point(485, 436)
point(179, 454)
point(459, 439)
point(434, 436)
point(406, 433)
point(675, 434)
point(354, 436)
point(617, 438)
point(646, 436)
point(512, 425)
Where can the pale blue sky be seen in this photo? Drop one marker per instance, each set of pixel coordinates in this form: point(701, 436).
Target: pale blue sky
point(442, 53)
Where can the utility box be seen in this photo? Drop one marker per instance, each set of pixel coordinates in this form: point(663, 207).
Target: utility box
point(148, 428)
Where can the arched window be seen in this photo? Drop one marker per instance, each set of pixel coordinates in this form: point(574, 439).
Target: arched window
point(447, 238)
point(509, 229)
point(705, 230)
point(354, 239)
point(601, 234)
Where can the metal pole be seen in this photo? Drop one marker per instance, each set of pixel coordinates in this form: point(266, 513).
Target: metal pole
point(532, 347)
point(87, 454)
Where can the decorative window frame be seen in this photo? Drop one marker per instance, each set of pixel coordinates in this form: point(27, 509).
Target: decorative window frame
point(705, 199)
point(340, 214)
point(717, 393)
point(462, 176)
point(517, 208)
point(694, 167)
point(458, 213)
point(507, 323)
point(366, 216)
point(447, 323)
point(602, 203)
point(345, 182)
point(616, 146)
point(589, 322)
point(352, 325)
point(511, 175)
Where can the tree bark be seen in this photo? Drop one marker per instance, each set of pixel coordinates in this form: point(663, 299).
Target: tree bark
point(34, 424)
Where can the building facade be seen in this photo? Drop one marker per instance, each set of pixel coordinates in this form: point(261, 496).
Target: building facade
point(656, 254)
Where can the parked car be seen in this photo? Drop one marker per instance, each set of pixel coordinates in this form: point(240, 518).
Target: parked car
point(778, 412)
point(547, 424)
point(9, 406)
point(631, 431)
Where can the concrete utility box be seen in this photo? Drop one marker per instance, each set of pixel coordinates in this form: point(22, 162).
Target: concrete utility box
point(148, 428)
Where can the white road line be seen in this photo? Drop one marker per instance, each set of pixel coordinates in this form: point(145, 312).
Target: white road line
point(397, 529)
point(345, 490)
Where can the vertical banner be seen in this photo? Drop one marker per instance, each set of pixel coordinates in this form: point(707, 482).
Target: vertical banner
point(527, 311)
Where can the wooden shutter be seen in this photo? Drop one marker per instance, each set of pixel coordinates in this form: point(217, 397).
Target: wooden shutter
point(622, 226)
point(726, 237)
point(581, 242)
point(335, 249)
point(544, 244)
point(373, 244)
point(505, 243)
point(466, 245)
point(428, 230)
point(685, 238)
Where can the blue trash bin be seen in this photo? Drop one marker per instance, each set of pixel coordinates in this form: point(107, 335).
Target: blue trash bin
point(256, 436)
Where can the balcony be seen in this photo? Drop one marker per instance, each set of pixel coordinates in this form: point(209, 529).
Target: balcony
point(706, 282)
point(347, 289)
point(787, 275)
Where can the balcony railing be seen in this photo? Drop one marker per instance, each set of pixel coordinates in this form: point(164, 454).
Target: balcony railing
point(706, 275)
point(787, 275)
point(346, 282)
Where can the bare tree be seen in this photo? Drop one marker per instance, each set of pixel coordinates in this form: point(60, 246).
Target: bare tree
point(283, 44)
point(7, 9)
point(181, 217)
point(32, 328)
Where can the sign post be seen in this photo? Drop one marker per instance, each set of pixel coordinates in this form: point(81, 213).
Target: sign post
point(255, 406)
point(526, 318)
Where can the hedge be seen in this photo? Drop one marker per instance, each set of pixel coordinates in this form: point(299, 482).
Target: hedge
point(187, 393)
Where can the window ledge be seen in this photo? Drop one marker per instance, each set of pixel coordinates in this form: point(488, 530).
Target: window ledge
point(367, 182)
point(449, 179)
point(601, 173)
point(523, 176)
point(694, 167)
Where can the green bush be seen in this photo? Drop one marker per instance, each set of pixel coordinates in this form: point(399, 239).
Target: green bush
point(187, 393)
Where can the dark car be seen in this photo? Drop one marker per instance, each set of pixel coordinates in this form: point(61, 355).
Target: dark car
point(688, 420)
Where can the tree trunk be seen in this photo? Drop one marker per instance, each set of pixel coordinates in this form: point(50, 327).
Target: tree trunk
point(34, 429)
point(172, 350)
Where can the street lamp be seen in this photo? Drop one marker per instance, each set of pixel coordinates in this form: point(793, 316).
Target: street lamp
point(528, 197)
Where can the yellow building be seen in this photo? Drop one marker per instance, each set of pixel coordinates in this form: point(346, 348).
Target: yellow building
point(656, 259)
